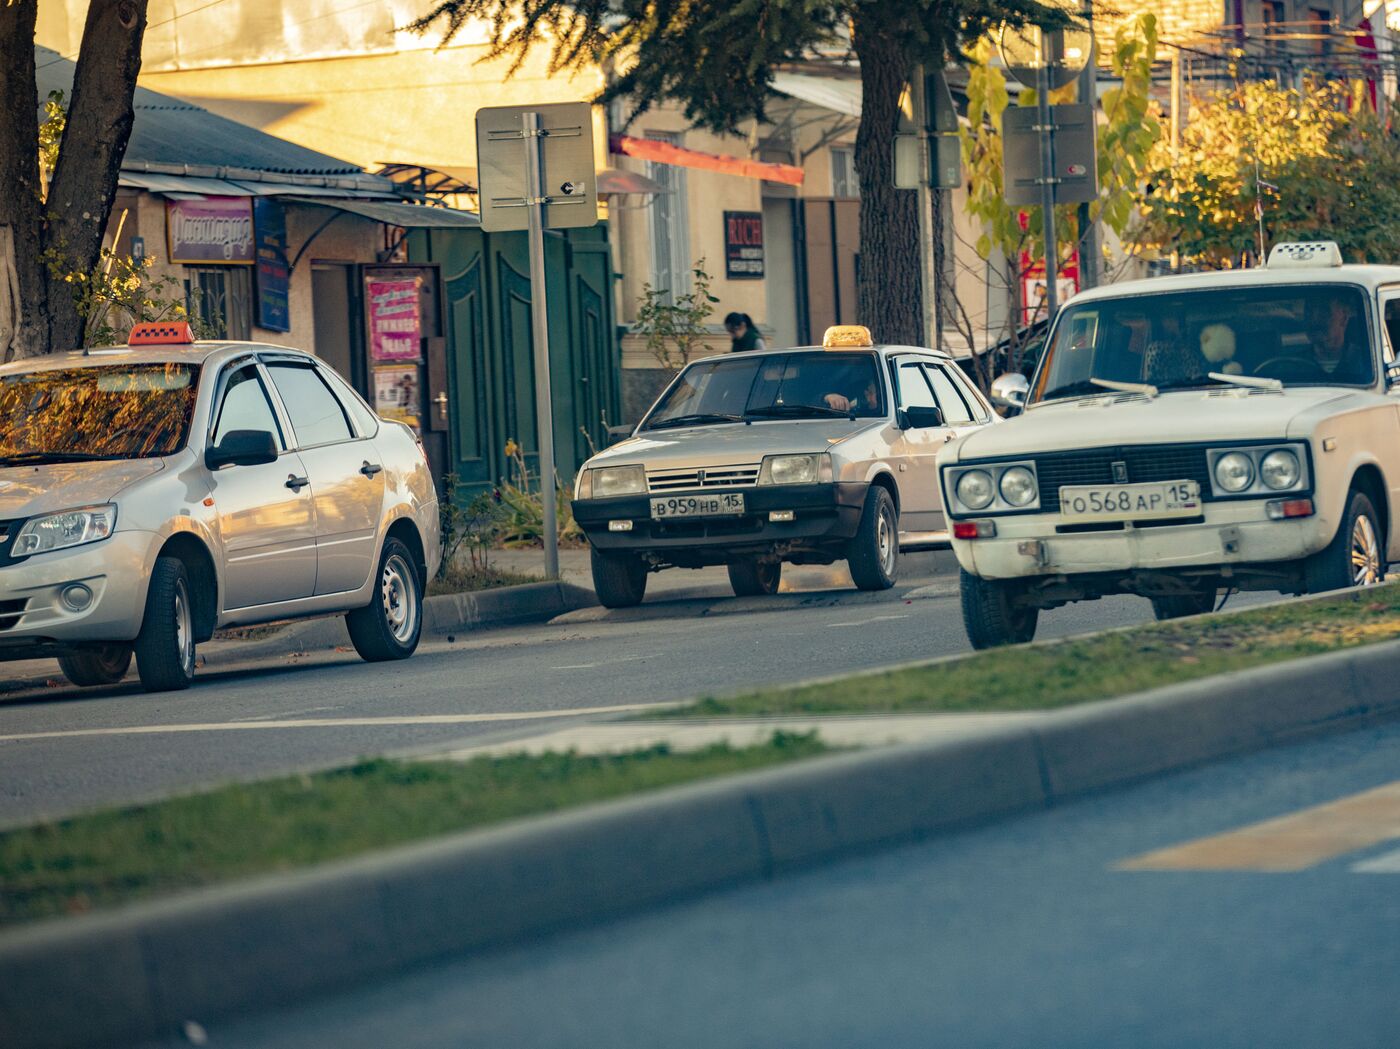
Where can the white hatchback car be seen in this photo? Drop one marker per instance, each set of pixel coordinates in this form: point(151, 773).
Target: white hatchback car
point(152, 493)
point(1187, 435)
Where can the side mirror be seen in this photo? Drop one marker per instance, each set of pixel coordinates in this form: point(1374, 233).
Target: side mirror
point(1010, 390)
point(922, 418)
point(618, 433)
point(242, 448)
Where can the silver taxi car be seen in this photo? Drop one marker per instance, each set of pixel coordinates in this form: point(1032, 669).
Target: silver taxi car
point(808, 456)
point(153, 493)
point(1188, 435)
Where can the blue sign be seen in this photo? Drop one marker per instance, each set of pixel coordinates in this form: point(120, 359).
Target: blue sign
point(274, 275)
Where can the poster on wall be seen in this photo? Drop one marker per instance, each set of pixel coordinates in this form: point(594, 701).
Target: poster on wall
point(210, 230)
point(396, 394)
point(272, 272)
point(743, 245)
point(395, 333)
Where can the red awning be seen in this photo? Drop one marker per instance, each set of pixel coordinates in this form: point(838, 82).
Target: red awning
point(665, 153)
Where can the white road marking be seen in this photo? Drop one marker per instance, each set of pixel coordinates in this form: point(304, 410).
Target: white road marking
point(408, 719)
point(605, 663)
point(867, 622)
point(1386, 864)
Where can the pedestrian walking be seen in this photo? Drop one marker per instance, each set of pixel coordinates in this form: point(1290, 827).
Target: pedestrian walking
point(744, 333)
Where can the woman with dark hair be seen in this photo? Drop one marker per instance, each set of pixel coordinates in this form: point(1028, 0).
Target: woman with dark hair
point(744, 333)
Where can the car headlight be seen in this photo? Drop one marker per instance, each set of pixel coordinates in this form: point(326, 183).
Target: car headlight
point(617, 480)
point(1234, 472)
point(58, 531)
point(1280, 469)
point(795, 469)
point(975, 490)
point(1018, 486)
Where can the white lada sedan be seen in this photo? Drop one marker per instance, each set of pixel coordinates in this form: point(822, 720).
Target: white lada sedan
point(1188, 435)
point(808, 456)
point(152, 493)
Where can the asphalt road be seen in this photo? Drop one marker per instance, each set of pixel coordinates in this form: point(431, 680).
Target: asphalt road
point(64, 750)
point(1022, 933)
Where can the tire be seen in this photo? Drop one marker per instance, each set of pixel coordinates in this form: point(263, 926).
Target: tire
point(990, 615)
point(1178, 605)
point(1356, 554)
point(620, 579)
point(755, 578)
point(99, 666)
point(873, 553)
point(391, 624)
point(165, 647)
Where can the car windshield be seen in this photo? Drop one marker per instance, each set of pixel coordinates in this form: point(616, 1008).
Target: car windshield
point(811, 384)
point(105, 412)
point(1305, 335)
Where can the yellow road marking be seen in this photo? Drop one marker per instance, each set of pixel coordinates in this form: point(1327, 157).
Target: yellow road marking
point(1289, 843)
point(415, 719)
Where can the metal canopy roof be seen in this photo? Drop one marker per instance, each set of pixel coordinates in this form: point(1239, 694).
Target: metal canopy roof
point(839, 96)
point(411, 216)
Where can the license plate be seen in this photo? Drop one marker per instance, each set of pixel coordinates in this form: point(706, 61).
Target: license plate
point(1130, 502)
point(724, 505)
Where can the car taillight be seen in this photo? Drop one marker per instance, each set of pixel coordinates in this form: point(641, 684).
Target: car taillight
point(974, 530)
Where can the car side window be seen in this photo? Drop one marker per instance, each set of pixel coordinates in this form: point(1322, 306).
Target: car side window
point(365, 420)
point(981, 411)
point(1390, 305)
point(950, 399)
point(245, 406)
point(317, 417)
point(914, 390)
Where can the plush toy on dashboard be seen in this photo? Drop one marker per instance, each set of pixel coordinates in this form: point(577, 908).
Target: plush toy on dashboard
point(1218, 348)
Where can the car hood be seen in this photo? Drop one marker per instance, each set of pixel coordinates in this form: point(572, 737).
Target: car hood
point(29, 490)
point(731, 444)
point(1184, 416)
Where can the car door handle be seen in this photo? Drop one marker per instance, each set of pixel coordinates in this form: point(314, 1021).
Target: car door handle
point(296, 483)
point(369, 469)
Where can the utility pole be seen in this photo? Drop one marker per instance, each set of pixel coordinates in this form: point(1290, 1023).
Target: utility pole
point(1047, 176)
point(1089, 95)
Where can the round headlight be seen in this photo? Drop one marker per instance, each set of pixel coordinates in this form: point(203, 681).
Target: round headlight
point(1018, 486)
point(1234, 472)
point(1280, 469)
point(975, 489)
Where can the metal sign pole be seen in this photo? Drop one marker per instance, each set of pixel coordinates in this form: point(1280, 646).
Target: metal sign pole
point(1047, 176)
point(539, 318)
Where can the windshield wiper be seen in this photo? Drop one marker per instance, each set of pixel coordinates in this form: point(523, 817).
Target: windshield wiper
point(780, 411)
point(1254, 382)
point(697, 419)
point(27, 458)
point(1144, 388)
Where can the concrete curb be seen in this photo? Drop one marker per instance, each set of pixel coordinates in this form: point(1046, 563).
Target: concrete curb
point(140, 972)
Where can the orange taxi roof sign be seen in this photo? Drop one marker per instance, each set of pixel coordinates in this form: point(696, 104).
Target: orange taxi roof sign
point(842, 336)
point(161, 333)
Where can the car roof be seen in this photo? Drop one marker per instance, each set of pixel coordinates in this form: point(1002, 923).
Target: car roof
point(881, 348)
point(1263, 276)
point(211, 353)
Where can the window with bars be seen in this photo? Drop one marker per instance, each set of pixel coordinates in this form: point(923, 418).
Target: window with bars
point(843, 173)
point(221, 297)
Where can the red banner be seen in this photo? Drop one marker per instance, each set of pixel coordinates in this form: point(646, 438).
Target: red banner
point(665, 153)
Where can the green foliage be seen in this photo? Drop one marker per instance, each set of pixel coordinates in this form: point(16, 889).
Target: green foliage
point(1327, 166)
point(119, 293)
point(519, 515)
point(674, 325)
point(51, 134)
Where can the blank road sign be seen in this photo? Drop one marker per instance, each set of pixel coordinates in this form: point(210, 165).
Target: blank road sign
point(570, 193)
point(1076, 157)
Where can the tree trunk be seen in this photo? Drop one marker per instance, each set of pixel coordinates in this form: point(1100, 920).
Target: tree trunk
point(100, 116)
point(24, 325)
point(889, 298)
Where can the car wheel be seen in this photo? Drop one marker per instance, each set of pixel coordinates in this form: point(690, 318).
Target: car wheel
point(752, 578)
point(873, 554)
point(991, 615)
point(390, 625)
point(1356, 554)
point(165, 646)
point(99, 666)
point(1177, 605)
point(619, 579)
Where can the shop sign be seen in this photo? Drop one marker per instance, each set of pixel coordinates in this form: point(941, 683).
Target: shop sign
point(272, 272)
point(394, 329)
point(210, 230)
point(743, 245)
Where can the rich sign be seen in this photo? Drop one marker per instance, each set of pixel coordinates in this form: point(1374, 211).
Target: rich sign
point(743, 245)
point(210, 229)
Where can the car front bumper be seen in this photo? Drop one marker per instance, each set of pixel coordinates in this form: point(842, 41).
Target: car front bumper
point(34, 616)
point(823, 514)
point(1231, 535)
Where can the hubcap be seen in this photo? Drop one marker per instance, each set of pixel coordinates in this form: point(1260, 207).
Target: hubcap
point(885, 541)
point(1365, 553)
point(399, 590)
point(184, 632)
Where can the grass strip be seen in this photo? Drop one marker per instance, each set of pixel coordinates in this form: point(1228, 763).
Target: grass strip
point(120, 855)
point(1060, 674)
point(465, 578)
